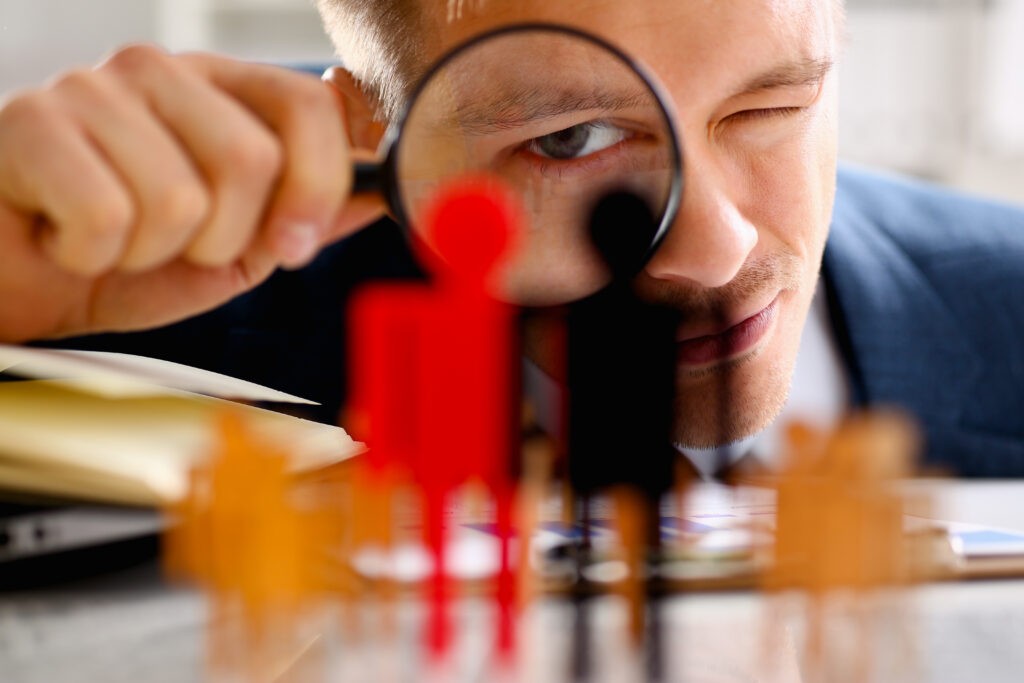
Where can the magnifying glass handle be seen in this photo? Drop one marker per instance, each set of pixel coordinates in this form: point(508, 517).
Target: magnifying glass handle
point(369, 177)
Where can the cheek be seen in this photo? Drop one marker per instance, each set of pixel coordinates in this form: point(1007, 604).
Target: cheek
point(790, 192)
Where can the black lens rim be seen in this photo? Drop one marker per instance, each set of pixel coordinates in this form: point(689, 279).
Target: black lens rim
point(391, 143)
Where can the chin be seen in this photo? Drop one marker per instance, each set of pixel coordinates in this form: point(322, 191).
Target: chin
point(735, 399)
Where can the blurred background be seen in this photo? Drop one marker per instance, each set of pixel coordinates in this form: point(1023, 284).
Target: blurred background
point(934, 88)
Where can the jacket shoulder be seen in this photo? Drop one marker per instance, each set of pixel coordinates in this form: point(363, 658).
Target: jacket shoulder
point(926, 285)
point(932, 224)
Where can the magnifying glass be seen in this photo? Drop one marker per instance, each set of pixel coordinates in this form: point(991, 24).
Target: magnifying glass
point(561, 118)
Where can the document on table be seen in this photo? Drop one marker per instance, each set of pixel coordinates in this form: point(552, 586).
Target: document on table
point(125, 429)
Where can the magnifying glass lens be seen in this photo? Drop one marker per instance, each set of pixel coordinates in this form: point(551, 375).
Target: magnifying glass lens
point(561, 120)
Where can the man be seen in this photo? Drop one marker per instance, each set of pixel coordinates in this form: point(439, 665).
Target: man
point(167, 185)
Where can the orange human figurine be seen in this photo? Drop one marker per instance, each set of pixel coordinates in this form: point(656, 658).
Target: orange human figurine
point(239, 533)
point(840, 530)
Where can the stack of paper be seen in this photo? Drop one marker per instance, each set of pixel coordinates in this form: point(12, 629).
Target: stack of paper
point(116, 428)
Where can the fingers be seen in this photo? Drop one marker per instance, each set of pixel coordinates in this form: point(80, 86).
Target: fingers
point(74, 183)
point(238, 156)
point(151, 158)
point(258, 132)
point(155, 187)
point(131, 301)
point(316, 170)
point(169, 197)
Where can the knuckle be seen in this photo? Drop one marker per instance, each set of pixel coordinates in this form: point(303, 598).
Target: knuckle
point(107, 218)
point(78, 80)
point(28, 108)
point(182, 205)
point(311, 98)
point(319, 171)
point(134, 58)
point(311, 188)
point(259, 155)
point(212, 251)
point(92, 234)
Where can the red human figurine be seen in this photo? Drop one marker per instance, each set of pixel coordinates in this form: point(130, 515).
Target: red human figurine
point(434, 373)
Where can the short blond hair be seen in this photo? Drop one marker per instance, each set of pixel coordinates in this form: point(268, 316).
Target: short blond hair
point(379, 42)
point(382, 44)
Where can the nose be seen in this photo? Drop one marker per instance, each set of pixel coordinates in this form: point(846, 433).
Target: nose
point(710, 239)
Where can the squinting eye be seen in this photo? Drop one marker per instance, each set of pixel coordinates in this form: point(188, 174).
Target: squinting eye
point(773, 113)
point(577, 141)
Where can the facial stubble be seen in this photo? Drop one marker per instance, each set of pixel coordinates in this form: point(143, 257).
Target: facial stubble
point(733, 399)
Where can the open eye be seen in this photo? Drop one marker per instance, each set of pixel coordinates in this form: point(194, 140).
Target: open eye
point(577, 141)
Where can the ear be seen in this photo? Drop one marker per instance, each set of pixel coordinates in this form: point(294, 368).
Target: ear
point(364, 131)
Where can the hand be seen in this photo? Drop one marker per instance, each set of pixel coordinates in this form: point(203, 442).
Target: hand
point(155, 187)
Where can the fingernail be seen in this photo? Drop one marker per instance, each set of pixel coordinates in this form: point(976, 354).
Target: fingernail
point(298, 243)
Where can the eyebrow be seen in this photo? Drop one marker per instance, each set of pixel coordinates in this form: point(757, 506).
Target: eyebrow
point(789, 75)
point(530, 105)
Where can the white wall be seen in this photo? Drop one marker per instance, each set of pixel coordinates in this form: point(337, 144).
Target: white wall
point(41, 37)
point(935, 88)
point(929, 87)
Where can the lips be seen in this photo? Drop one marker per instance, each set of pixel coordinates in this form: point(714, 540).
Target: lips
point(731, 342)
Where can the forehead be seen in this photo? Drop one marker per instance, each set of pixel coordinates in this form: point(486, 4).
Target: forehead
point(698, 48)
point(673, 17)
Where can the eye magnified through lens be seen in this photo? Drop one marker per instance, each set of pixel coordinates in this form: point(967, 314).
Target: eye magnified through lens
point(559, 117)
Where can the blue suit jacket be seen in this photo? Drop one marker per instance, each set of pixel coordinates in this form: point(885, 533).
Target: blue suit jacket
point(926, 292)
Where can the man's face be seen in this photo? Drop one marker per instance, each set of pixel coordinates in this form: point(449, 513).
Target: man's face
point(751, 83)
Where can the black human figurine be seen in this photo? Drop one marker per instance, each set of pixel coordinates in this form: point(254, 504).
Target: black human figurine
point(621, 366)
point(621, 385)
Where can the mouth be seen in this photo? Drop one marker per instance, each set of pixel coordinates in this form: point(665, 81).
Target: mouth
point(729, 343)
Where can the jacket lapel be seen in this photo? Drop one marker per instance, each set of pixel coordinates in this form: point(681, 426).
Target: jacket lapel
point(905, 347)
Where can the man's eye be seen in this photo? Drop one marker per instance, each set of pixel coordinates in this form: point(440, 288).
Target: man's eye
point(771, 113)
point(577, 141)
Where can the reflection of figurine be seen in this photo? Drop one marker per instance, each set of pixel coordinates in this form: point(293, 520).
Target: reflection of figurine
point(433, 376)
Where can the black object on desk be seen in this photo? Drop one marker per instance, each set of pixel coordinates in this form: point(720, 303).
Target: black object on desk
point(47, 543)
